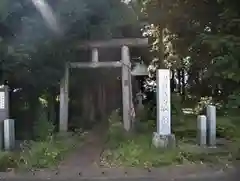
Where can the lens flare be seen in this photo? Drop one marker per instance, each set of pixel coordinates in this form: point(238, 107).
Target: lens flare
point(48, 15)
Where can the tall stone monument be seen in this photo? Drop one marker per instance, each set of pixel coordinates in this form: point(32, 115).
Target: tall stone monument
point(163, 138)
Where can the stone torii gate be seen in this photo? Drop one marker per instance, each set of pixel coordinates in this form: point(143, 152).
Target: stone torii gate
point(124, 63)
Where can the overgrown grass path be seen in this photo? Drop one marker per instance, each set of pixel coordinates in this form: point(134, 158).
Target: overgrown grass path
point(88, 154)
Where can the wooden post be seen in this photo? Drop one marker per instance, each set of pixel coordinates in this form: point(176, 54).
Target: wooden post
point(126, 96)
point(63, 125)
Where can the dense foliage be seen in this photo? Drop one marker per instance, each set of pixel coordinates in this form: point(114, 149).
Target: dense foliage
point(198, 40)
point(33, 53)
point(201, 37)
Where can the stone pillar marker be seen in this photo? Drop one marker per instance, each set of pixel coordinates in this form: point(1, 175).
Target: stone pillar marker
point(163, 102)
point(202, 130)
point(140, 100)
point(163, 137)
point(9, 134)
point(95, 56)
point(4, 110)
point(211, 125)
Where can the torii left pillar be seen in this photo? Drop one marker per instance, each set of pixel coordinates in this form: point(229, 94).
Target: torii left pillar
point(64, 92)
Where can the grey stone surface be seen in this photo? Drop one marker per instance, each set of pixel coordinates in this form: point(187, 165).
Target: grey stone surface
point(163, 102)
point(202, 130)
point(4, 111)
point(1, 135)
point(163, 141)
point(211, 125)
point(9, 134)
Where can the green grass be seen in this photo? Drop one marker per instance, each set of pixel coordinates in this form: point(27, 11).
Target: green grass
point(40, 154)
point(7, 160)
point(47, 154)
point(136, 150)
point(185, 128)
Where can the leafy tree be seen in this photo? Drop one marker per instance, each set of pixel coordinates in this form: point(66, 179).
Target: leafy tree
point(201, 37)
point(32, 56)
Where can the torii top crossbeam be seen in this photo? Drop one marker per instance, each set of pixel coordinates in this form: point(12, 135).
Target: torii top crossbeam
point(130, 42)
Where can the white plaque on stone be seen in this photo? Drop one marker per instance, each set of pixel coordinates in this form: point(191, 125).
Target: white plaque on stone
point(163, 102)
point(2, 100)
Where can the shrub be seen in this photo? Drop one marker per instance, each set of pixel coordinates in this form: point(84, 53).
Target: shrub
point(7, 160)
point(226, 128)
point(43, 128)
point(40, 155)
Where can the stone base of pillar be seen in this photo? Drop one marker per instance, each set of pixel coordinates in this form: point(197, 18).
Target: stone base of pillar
point(9, 134)
point(164, 141)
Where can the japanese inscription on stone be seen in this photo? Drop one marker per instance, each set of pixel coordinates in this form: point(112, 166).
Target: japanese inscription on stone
point(2, 100)
point(163, 102)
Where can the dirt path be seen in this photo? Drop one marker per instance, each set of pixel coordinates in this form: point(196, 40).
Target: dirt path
point(88, 154)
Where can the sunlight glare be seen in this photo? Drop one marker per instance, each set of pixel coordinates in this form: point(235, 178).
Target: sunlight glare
point(48, 15)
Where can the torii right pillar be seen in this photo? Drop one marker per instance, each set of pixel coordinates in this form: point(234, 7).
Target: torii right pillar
point(126, 88)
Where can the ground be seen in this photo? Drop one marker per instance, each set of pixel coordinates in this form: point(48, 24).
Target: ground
point(87, 155)
point(189, 173)
point(130, 155)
